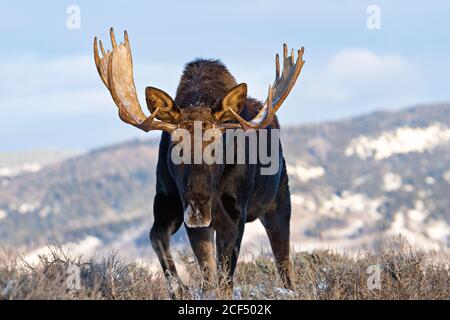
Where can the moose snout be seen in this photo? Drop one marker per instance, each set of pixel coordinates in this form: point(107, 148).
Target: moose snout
point(197, 214)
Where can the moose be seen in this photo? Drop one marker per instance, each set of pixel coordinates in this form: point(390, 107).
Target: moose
point(214, 201)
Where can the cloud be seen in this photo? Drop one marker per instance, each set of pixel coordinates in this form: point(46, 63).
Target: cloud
point(355, 72)
point(350, 82)
point(354, 81)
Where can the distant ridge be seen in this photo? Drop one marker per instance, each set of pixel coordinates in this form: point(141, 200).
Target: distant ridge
point(354, 182)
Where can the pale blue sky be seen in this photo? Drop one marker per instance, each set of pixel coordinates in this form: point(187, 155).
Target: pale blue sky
point(51, 96)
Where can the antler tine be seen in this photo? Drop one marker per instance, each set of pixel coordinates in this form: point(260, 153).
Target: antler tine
point(116, 71)
point(277, 66)
point(101, 63)
point(149, 123)
point(291, 71)
point(101, 48)
point(125, 36)
point(113, 38)
point(96, 55)
point(285, 51)
point(278, 91)
point(262, 120)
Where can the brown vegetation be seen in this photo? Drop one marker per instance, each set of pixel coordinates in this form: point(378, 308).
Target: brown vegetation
point(406, 273)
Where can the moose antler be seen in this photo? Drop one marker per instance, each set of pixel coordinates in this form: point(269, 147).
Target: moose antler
point(116, 71)
point(278, 92)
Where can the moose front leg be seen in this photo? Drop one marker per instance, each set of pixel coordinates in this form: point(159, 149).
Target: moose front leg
point(202, 243)
point(228, 244)
point(168, 218)
point(277, 224)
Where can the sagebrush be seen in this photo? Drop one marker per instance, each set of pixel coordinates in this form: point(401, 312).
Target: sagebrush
point(405, 273)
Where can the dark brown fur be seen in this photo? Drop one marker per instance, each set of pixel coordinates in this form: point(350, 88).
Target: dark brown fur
point(205, 82)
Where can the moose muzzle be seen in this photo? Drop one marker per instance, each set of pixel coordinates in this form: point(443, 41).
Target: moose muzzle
point(197, 214)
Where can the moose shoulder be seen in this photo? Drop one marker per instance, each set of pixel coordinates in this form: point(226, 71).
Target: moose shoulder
point(214, 199)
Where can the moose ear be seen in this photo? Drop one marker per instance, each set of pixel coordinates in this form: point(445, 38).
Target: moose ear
point(156, 98)
point(235, 99)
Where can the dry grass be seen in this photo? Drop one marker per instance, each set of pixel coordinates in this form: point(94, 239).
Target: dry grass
point(406, 273)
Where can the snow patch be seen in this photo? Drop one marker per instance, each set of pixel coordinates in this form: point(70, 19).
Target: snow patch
point(400, 141)
point(44, 212)
point(306, 173)
point(26, 208)
point(304, 201)
point(284, 292)
point(415, 222)
point(391, 182)
point(411, 218)
point(351, 202)
point(3, 214)
point(85, 248)
point(408, 188)
point(418, 214)
point(438, 230)
point(354, 210)
point(15, 170)
point(446, 176)
point(398, 223)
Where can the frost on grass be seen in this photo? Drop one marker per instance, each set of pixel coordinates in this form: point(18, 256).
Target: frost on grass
point(405, 273)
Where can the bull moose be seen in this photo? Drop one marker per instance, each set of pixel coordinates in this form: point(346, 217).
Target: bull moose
point(214, 201)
